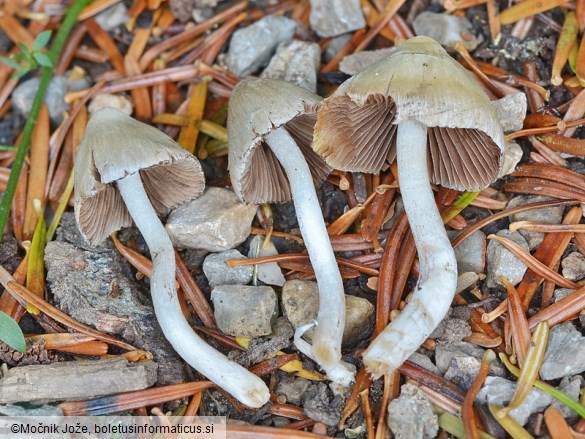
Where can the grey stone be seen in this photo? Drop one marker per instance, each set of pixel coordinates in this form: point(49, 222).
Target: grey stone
point(454, 330)
point(446, 29)
point(318, 405)
point(360, 61)
point(512, 156)
point(24, 94)
point(251, 47)
point(573, 266)
point(411, 415)
point(572, 388)
point(300, 304)
point(245, 311)
point(297, 62)
point(330, 18)
point(511, 111)
point(424, 362)
point(548, 215)
point(445, 352)
point(561, 293)
point(269, 273)
point(216, 221)
point(565, 353)
point(462, 371)
point(293, 388)
point(461, 312)
point(112, 17)
point(470, 254)
point(502, 262)
point(334, 46)
point(97, 287)
point(219, 273)
point(499, 391)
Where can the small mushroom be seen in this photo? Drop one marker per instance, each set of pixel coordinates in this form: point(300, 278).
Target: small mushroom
point(126, 170)
point(270, 128)
point(422, 107)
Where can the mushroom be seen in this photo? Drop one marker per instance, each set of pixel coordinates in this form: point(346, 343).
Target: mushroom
point(420, 106)
point(126, 170)
point(270, 128)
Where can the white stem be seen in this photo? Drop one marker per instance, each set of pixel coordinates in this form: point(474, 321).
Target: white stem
point(438, 268)
point(326, 349)
point(242, 384)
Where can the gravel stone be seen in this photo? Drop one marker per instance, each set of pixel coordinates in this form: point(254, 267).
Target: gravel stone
point(565, 353)
point(334, 46)
point(330, 18)
point(320, 407)
point(445, 352)
point(549, 215)
point(573, 266)
point(446, 29)
point(219, 273)
point(112, 17)
point(297, 62)
point(572, 388)
point(411, 415)
point(269, 273)
point(216, 221)
point(499, 391)
point(251, 47)
point(470, 255)
point(511, 111)
point(424, 362)
point(294, 388)
point(462, 371)
point(454, 330)
point(300, 304)
point(501, 262)
point(245, 311)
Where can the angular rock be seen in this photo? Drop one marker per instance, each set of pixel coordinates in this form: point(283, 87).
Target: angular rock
point(445, 352)
point(216, 221)
point(411, 415)
point(499, 391)
point(269, 273)
point(511, 111)
point(565, 353)
point(512, 156)
point(446, 29)
point(297, 62)
point(561, 293)
point(424, 362)
point(454, 330)
point(548, 215)
point(334, 46)
point(357, 62)
point(251, 47)
point(502, 262)
point(573, 266)
point(245, 311)
point(462, 371)
point(300, 304)
point(572, 388)
point(219, 273)
point(24, 94)
point(330, 18)
point(470, 254)
point(318, 405)
point(293, 388)
point(112, 17)
point(97, 287)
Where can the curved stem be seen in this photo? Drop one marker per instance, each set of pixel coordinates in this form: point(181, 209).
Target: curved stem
point(242, 384)
point(326, 349)
point(438, 268)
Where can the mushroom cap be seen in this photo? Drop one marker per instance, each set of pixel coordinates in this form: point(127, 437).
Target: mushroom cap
point(356, 126)
point(114, 146)
point(258, 106)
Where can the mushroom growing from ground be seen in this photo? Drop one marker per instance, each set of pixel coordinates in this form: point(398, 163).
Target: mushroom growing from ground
point(270, 128)
point(420, 106)
point(126, 170)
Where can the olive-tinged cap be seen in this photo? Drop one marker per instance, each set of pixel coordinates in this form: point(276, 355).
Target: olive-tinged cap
point(258, 106)
point(356, 126)
point(114, 146)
